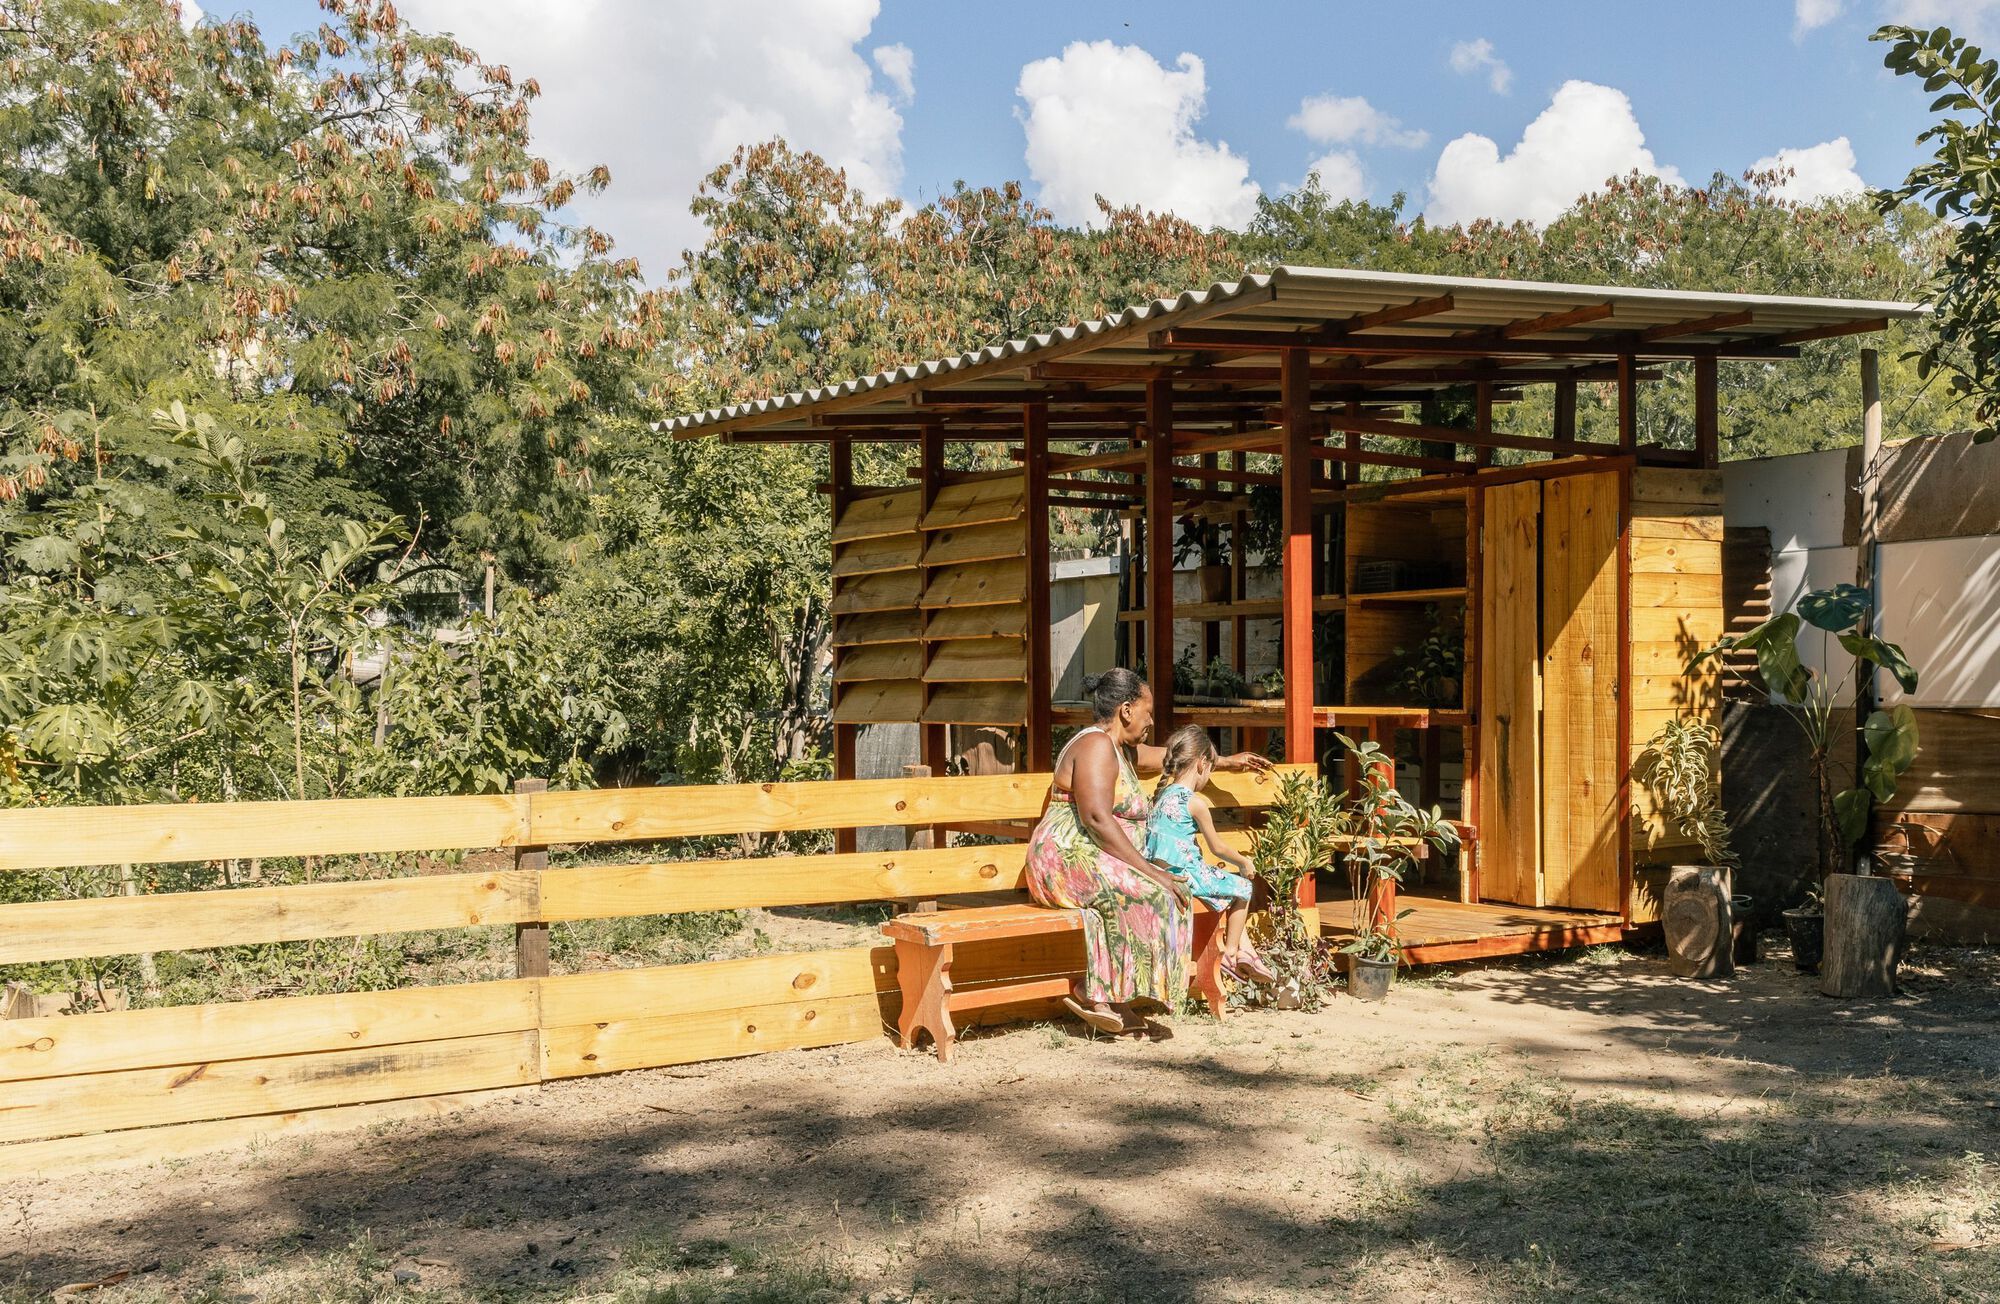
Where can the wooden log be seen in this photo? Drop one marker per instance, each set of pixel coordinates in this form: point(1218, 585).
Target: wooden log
point(1867, 919)
point(1695, 917)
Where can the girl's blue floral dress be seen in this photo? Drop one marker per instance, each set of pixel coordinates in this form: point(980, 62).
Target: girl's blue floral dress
point(1170, 840)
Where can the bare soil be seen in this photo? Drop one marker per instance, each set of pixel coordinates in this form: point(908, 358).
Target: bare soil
point(1579, 1128)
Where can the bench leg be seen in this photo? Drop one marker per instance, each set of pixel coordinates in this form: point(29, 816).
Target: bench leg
point(924, 974)
point(1207, 978)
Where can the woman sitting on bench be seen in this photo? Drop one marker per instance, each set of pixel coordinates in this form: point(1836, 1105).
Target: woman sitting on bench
point(1084, 855)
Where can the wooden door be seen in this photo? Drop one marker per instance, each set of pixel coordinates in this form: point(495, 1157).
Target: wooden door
point(1580, 692)
point(1510, 804)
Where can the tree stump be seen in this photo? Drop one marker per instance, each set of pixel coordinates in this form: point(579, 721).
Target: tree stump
point(1695, 918)
point(1866, 920)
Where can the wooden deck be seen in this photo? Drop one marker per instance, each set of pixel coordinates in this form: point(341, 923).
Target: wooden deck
point(1439, 931)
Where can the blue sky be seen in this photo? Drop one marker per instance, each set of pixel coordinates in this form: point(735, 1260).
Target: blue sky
point(1198, 106)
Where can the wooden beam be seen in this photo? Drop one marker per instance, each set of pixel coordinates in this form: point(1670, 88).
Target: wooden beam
point(1565, 411)
point(1447, 434)
point(1549, 321)
point(1297, 576)
point(1721, 321)
point(1350, 455)
point(1041, 672)
point(1105, 488)
point(1828, 332)
point(1707, 426)
point(1609, 347)
point(1160, 552)
point(1628, 405)
point(1389, 316)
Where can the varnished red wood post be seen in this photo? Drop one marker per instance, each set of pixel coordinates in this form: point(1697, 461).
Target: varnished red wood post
point(1041, 661)
point(1628, 404)
point(1160, 552)
point(840, 457)
point(1239, 580)
point(1707, 433)
point(1295, 396)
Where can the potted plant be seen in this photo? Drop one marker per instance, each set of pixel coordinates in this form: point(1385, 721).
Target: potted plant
point(1814, 702)
point(1380, 833)
point(1297, 838)
point(1701, 914)
point(1200, 537)
point(1267, 686)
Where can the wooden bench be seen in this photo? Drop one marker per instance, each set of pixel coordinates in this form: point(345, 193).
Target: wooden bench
point(924, 943)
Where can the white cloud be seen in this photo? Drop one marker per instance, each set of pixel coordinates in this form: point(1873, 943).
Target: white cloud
point(1350, 119)
point(1586, 136)
point(1471, 56)
point(1809, 14)
point(1108, 119)
point(1972, 19)
point(899, 64)
point(663, 91)
point(1340, 176)
point(1818, 171)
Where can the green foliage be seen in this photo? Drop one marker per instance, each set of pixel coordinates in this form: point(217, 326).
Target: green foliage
point(1431, 672)
point(1679, 766)
point(1380, 833)
point(1958, 183)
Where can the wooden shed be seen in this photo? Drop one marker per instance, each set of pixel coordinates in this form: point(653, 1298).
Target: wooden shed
point(1571, 568)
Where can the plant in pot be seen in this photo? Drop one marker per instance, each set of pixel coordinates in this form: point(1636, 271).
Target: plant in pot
point(1380, 834)
point(1200, 538)
point(1707, 926)
point(1297, 838)
point(1431, 672)
point(1821, 707)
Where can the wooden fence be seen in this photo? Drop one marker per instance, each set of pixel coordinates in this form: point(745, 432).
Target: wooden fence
point(151, 1082)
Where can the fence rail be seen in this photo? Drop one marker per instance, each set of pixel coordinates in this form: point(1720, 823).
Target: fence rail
point(104, 1086)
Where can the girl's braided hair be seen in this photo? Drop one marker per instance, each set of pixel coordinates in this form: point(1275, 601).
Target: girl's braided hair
point(1185, 746)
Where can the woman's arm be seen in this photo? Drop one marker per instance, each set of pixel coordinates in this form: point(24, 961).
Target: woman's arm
point(1094, 789)
point(1149, 759)
point(1204, 822)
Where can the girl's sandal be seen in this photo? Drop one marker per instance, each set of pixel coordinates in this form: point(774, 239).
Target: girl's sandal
point(1102, 1020)
point(1252, 967)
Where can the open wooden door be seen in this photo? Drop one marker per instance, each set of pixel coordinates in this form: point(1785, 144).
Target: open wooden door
point(1510, 801)
point(1581, 692)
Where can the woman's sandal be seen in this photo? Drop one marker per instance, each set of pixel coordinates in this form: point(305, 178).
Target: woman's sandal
point(1104, 1021)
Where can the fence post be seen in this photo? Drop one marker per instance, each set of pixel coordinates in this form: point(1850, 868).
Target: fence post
point(531, 941)
point(920, 839)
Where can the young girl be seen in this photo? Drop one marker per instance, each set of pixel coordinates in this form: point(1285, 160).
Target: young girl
point(1179, 811)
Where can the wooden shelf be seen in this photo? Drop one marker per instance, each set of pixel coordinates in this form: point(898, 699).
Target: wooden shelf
point(1248, 609)
point(1272, 714)
point(1409, 595)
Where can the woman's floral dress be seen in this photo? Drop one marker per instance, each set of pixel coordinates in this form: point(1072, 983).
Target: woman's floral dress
point(1170, 841)
point(1136, 933)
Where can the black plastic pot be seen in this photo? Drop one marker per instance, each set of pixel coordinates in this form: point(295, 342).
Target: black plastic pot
point(1808, 933)
point(1743, 929)
point(1368, 980)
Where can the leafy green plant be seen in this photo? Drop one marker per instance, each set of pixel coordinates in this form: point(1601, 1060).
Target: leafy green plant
point(1679, 767)
point(1296, 839)
point(1379, 832)
point(1958, 183)
point(1432, 671)
point(1812, 699)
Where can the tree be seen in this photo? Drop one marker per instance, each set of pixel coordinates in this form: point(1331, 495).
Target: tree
point(1959, 184)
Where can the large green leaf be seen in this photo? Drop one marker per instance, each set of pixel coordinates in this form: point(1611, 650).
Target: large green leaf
point(1891, 738)
point(1850, 814)
point(1776, 645)
point(1835, 609)
point(1884, 654)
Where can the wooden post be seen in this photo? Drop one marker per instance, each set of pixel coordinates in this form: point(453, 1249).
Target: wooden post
point(934, 744)
point(1039, 751)
point(846, 737)
point(1482, 420)
point(1565, 417)
point(1295, 395)
point(531, 941)
point(1160, 552)
point(1707, 411)
point(1628, 404)
point(1865, 674)
point(1866, 923)
point(920, 840)
point(1239, 578)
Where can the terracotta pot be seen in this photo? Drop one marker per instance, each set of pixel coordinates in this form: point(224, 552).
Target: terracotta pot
point(1368, 980)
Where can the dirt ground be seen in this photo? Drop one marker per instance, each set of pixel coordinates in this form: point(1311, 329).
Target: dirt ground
point(1577, 1128)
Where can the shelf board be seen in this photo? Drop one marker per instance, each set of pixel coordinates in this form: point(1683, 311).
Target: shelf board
point(1247, 609)
point(1409, 595)
point(1273, 713)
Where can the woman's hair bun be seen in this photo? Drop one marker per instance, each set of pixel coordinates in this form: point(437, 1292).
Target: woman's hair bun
point(1090, 683)
point(1111, 690)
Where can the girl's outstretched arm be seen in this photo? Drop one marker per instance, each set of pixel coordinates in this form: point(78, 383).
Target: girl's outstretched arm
point(1204, 822)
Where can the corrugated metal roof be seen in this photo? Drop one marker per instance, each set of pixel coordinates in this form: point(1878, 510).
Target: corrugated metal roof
point(1288, 300)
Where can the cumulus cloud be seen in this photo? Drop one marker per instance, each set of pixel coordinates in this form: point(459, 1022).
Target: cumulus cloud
point(1106, 119)
point(663, 91)
point(1817, 171)
point(1809, 14)
point(1350, 119)
point(1973, 19)
point(899, 65)
point(1586, 136)
point(1340, 176)
point(1472, 56)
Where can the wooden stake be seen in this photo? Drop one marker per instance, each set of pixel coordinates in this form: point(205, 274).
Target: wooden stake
point(531, 941)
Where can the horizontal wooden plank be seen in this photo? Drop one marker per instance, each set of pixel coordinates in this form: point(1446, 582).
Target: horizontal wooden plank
point(985, 659)
point(607, 891)
point(977, 622)
point(889, 591)
point(47, 1107)
point(869, 627)
point(1677, 591)
point(290, 1025)
point(1676, 485)
point(1957, 767)
point(978, 502)
point(1662, 659)
point(879, 515)
point(991, 542)
point(41, 1160)
point(187, 921)
point(975, 584)
point(1963, 843)
point(879, 661)
point(615, 1046)
point(879, 701)
point(1676, 557)
point(1646, 722)
point(1691, 627)
point(871, 556)
point(717, 985)
point(51, 837)
point(1677, 527)
point(977, 704)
